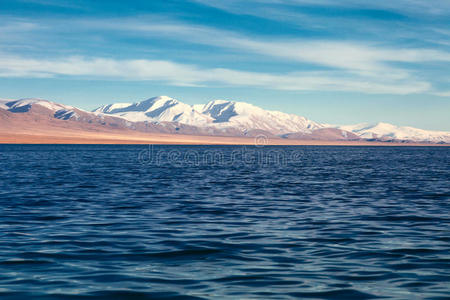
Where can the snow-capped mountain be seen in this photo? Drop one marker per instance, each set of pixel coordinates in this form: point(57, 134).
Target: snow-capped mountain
point(247, 116)
point(216, 113)
point(37, 114)
point(23, 105)
point(216, 118)
point(386, 131)
point(157, 109)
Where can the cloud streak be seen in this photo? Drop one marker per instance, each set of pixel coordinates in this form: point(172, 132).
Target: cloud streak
point(351, 56)
point(354, 56)
point(410, 7)
point(345, 65)
point(190, 75)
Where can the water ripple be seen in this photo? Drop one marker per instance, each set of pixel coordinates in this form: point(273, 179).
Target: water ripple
point(93, 222)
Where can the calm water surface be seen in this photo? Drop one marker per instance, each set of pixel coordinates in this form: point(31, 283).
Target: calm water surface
point(128, 222)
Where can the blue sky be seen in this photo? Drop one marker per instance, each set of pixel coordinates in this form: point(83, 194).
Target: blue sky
point(339, 62)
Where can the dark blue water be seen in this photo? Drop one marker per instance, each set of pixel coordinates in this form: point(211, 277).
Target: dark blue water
point(128, 222)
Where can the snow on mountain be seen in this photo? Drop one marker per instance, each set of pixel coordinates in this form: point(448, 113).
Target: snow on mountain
point(157, 109)
point(247, 116)
point(23, 105)
point(216, 113)
point(26, 103)
point(386, 131)
point(113, 108)
point(3, 103)
point(218, 117)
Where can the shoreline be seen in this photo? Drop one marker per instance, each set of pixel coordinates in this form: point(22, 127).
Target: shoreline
point(86, 138)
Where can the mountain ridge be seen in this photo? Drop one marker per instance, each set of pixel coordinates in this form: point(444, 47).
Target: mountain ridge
point(245, 116)
point(386, 131)
point(164, 114)
point(215, 113)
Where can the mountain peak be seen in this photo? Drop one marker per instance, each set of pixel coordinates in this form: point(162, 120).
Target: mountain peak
point(217, 113)
point(219, 117)
point(163, 97)
point(156, 109)
point(155, 103)
point(224, 114)
point(24, 104)
point(387, 131)
point(384, 124)
point(159, 99)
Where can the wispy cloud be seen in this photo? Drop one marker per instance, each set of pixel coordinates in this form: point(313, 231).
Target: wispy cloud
point(346, 65)
point(388, 21)
point(422, 7)
point(442, 94)
point(189, 75)
point(348, 55)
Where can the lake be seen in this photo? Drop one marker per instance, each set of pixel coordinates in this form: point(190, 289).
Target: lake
point(224, 222)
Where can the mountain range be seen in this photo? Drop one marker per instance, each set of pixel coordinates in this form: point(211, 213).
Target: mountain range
point(167, 115)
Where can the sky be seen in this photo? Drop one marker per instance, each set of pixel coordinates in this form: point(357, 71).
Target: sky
point(337, 62)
